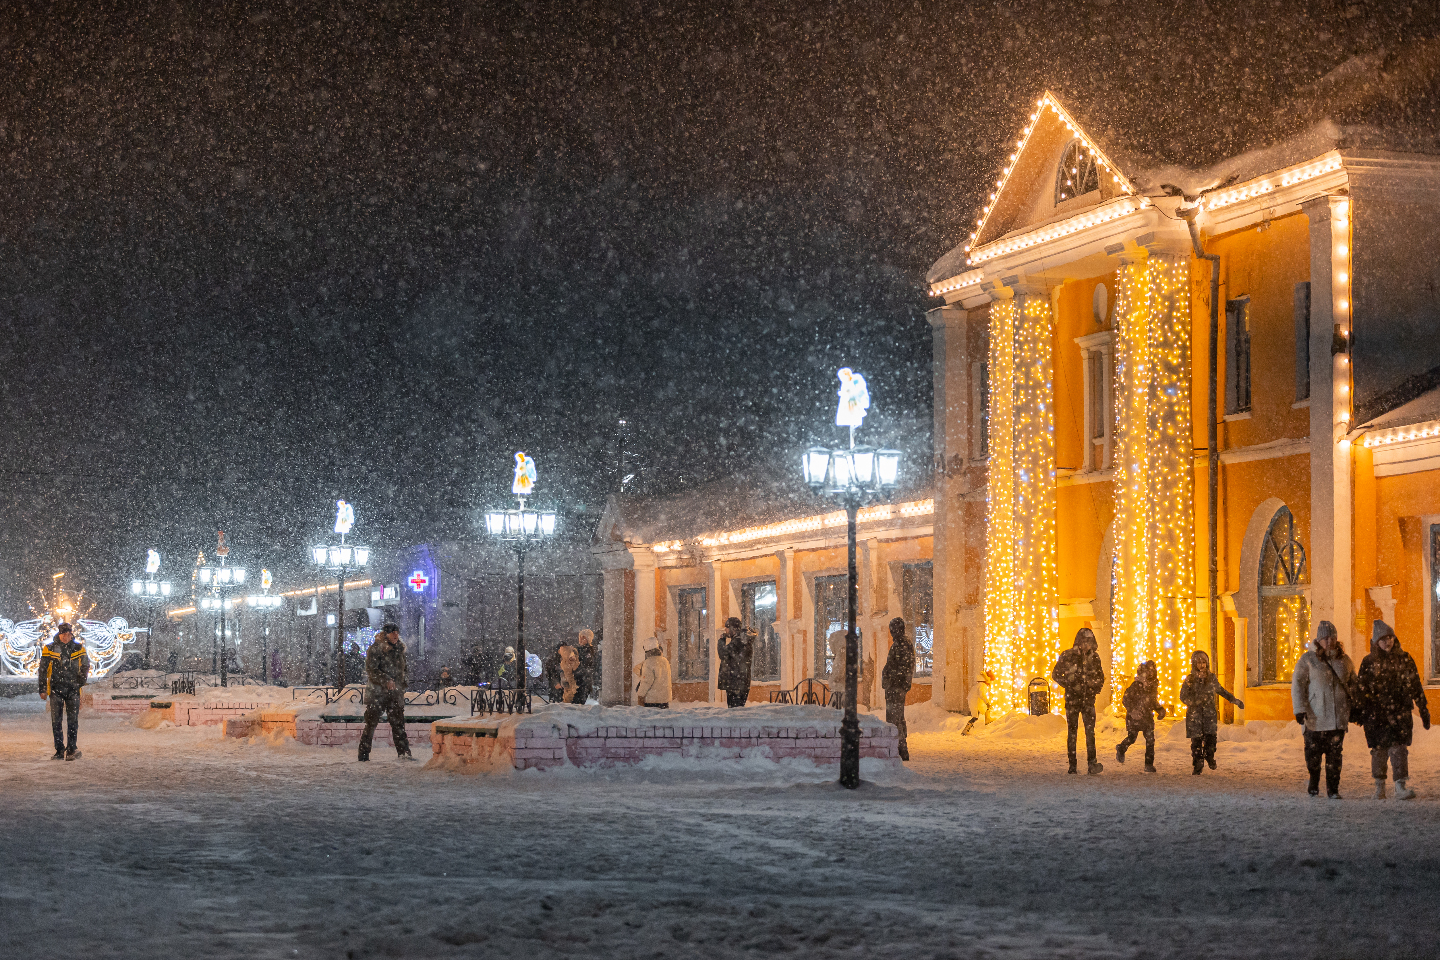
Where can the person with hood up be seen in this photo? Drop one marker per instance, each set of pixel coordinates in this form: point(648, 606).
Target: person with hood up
point(1142, 703)
point(1389, 684)
point(587, 674)
point(1202, 710)
point(64, 668)
point(508, 671)
point(1319, 695)
point(737, 650)
point(1079, 672)
point(387, 675)
point(653, 690)
point(895, 679)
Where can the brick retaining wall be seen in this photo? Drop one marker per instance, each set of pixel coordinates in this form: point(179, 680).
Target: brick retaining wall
point(533, 743)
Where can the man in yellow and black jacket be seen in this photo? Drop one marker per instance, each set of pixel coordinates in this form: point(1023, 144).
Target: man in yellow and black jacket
point(64, 668)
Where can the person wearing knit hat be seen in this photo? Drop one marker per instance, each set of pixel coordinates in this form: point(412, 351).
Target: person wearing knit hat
point(653, 690)
point(64, 668)
point(1202, 711)
point(1080, 672)
point(1389, 685)
point(1319, 694)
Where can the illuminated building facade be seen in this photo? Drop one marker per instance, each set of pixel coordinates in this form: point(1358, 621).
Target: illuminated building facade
point(1072, 397)
point(676, 567)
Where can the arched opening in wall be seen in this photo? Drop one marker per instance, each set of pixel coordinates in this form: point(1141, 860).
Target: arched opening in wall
point(1284, 588)
point(1077, 174)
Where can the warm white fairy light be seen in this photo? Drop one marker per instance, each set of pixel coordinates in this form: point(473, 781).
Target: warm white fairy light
point(883, 511)
point(1022, 636)
point(1153, 606)
point(968, 279)
point(1418, 431)
point(1267, 184)
point(1340, 292)
point(1048, 102)
point(1105, 213)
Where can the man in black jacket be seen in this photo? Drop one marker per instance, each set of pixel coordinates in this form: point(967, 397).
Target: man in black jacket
point(64, 668)
point(1080, 673)
point(388, 674)
point(737, 647)
point(896, 679)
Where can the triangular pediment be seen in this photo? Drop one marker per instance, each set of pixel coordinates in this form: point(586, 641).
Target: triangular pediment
point(1031, 190)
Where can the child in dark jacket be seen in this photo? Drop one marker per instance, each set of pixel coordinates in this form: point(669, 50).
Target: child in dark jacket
point(1202, 714)
point(1141, 707)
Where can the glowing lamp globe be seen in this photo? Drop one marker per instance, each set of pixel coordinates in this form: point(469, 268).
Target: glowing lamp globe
point(319, 554)
point(136, 586)
point(815, 464)
point(494, 522)
point(862, 460)
point(362, 556)
point(887, 466)
point(547, 523)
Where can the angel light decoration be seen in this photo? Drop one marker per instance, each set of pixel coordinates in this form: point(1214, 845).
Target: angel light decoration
point(344, 517)
point(854, 399)
point(152, 561)
point(524, 475)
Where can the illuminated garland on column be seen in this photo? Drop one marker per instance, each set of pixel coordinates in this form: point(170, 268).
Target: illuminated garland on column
point(1154, 602)
point(1000, 627)
point(1021, 625)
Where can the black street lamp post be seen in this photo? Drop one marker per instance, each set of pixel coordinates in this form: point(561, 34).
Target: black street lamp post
point(221, 578)
point(152, 593)
point(339, 560)
point(521, 528)
point(853, 476)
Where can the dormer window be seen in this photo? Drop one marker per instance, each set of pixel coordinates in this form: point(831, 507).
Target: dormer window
point(1077, 175)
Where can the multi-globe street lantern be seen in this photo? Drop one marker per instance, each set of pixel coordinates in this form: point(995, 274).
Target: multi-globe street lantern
point(340, 559)
point(220, 579)
point(151, 593)
point(521, 528)
point(264, 602)
point(854, 476)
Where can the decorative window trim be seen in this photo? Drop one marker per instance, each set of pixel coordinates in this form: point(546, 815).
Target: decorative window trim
point(1077, 173)
point(1429, 668)
point(1098, 348)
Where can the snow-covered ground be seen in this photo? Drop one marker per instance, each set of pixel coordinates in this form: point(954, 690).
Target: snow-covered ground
point(175, 843)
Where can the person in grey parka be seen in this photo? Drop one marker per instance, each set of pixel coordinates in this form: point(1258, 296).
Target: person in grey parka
point(1202, 713)
point(1321, 702)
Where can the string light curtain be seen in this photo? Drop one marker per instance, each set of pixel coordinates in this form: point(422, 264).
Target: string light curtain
point(1021, 614)
point(1153, 605)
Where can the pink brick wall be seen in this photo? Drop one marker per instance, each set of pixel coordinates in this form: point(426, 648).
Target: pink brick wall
point(322, 734)
point(625, 745)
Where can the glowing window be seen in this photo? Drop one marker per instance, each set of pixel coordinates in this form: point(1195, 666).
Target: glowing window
point(693, 660)
point(757, 611)
point(1284, 600)
point(1077, 174)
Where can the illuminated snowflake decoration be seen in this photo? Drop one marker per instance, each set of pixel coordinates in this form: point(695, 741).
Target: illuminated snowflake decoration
point(21, 643)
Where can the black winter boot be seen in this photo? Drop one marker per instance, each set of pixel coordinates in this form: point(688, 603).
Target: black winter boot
point(1073, 765)
point(1120, 753)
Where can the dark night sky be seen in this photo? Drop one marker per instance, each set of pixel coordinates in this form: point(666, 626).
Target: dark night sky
point(255, 256)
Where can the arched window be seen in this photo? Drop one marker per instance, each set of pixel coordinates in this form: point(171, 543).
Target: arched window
point(1076, 175)
point(1284, 599)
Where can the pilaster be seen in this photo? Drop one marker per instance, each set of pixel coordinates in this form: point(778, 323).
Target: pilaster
point(617, 565)
point(1330, 480)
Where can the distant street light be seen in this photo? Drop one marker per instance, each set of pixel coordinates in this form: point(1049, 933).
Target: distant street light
point(521, 528)
point(151, 593)
point(220, 578)
point(340, 559)
point(265, 603)
point(854, 476)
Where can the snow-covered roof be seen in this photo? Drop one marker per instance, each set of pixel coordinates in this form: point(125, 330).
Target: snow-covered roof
point(732, 504)
point(1383, 100)
point(1421, 409)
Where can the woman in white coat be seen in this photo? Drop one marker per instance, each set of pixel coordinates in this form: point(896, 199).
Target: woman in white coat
point(653, 690)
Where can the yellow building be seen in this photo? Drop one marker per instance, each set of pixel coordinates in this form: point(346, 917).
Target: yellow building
point(1076, 448)
point(677, 567)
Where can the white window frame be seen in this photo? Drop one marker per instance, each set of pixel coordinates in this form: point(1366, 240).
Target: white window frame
point(1098, 348)
point(1428, 667)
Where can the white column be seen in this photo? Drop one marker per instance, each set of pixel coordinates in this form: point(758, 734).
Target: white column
point(783, 629)
point(1330, 501)
point(644, 617)
point(616, 562)
point(715, 625)
point(952, 402)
